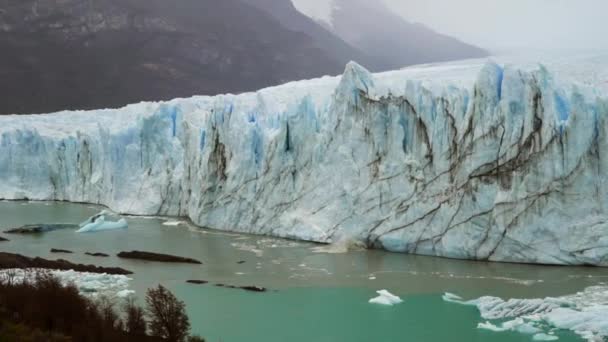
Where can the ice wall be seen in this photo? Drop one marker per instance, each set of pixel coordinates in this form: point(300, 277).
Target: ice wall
point(487, 163)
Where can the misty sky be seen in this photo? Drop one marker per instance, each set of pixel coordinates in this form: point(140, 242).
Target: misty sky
point(499, 24)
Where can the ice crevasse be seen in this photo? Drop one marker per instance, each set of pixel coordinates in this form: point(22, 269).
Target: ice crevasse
point(481, 161)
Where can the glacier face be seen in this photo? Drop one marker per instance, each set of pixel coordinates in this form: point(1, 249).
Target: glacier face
point(483, 162)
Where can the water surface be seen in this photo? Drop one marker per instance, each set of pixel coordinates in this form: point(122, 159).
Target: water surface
point(314, 296)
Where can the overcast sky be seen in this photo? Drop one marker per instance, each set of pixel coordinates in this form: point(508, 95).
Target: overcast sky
point(504, 24)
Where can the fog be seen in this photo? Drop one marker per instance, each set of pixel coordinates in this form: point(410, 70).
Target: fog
point(512, 24)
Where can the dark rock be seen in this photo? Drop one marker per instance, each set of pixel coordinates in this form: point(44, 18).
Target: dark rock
point(240, 262)
point(55, 250)
point(39, 228)
point(102, 255)
point(10, 260)
point(253, 288)
point(139, 255)
point(246, 288)
point(197, 282)
point(3, 239)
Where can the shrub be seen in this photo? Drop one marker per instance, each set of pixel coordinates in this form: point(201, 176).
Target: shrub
point(168, 317)
point(135, 322)
point(19, 332)
point(45, 310)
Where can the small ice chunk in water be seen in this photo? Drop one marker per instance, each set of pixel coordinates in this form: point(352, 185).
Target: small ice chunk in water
point(172, 223)
point(491, 327)
point(544, 337)
point(517, 324)
point(452, 298)
point(385, 298)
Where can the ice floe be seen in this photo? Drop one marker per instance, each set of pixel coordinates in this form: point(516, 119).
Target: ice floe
point(584, 313)
point(385, 298)
point(88, 284)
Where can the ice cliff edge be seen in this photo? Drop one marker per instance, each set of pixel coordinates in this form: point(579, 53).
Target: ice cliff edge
point(508, 166)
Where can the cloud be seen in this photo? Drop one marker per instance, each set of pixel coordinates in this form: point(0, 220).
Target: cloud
point(499, 24)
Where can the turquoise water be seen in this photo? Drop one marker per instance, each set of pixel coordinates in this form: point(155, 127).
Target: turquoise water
point(314, 296)
point(338, 314)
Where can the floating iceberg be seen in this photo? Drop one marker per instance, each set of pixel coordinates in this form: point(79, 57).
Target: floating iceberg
point(472, 160)
point(98, 223)
point(584, 313)
point(386, 298)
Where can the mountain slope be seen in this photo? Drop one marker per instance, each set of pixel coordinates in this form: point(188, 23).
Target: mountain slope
point(287, 14)
point(370, 26)
point(81, 54)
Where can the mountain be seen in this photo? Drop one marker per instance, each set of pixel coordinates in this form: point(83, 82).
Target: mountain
point(481, 162)
point(83, 54)
point(286, 13)
point(370, 26)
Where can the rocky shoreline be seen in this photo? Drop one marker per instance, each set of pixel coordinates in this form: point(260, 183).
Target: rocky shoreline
point(10, 261)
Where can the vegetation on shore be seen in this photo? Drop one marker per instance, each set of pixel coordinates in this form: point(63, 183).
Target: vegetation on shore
point(45, 310)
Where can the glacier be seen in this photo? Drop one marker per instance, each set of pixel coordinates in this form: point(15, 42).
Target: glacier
point(481, 160)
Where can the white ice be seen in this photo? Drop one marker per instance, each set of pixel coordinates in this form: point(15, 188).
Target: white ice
point(88, 284)
point(584, 313)
point(98, 223)
point(544, 337)
point(172, 223)
point(385, 298)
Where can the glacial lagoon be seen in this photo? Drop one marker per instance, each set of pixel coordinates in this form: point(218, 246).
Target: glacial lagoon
point(314, 294)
